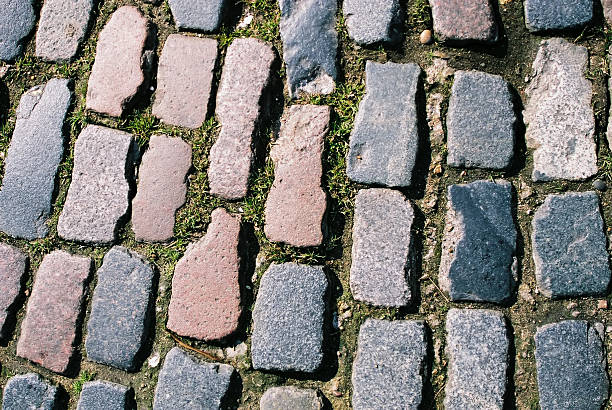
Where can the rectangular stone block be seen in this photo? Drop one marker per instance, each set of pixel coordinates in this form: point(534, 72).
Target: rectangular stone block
point(547, 15)
point(53, 315)
point(374, 21)
point(13, 264)
point(289, 397)
point(464, 21)
point(198, 15)
point(103, 395)
point(29, 391)
point(17, 19)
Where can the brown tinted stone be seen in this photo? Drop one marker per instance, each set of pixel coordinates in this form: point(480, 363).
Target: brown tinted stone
point(462, 21)
point(184, 79)
point(13, 264)
point(607, 10)
point(161, 188)
point(245, 76)
point(205, 301)
point(296, 203)
point(48, 331)
point(117, 73)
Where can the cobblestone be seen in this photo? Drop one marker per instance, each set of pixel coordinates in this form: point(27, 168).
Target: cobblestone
point(281, 398)
point(17, 18)
point(103, 395)
point(296, 204)
point(13, 264)
point(464, 21)
point(546, 15)
point(373, 22)
point(29, 391)
point(201, 15)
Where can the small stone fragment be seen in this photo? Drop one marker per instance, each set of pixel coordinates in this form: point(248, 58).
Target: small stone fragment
point(53, 316)
point(184, 80)
point(559, 115)
point(571, 366)
point(29, 391)
point(103, 395)
point(602, 304)
point(201, 15)
point(121, 311)
point(385, 140)
point(382, 267)
point(17, 18)
point(13, 265)
point(569, 246)
point(35, 152)
point(477, 347)
point(240, 107)
point(289, 397)
point(206, 301)
point(296, 203)
point(480, 122)
point(288, 319)
point(464, 21)
point(98, 195)
point(372, 22)
point(185, 382)
point(600, 185)
point(117, 73)
point(62, 28)
point(162, 188)
point(426, 37)
point(545, 15)
point(391, 365)
point(310, 45)
point(479, 246)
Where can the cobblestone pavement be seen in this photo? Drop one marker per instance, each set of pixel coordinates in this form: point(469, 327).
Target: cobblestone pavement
point(305, 204)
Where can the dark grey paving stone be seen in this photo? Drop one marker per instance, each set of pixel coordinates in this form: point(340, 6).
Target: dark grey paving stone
point(17, 19)
point(310, 44)
point(288, 318)
point(569, 246)
point(543, 15)
point(479, 246)
point(382, 266)
point(390, 367)
point(480, 122)
point(29, 391)
point(289, 397)
point(186, 383)
point(477, 348)
point(385, 139)
point(103, 395)
point(201, 15)
point(372, 22)
point(571, 366)
point(122, 309)
point(13, 264)
point(32, 160)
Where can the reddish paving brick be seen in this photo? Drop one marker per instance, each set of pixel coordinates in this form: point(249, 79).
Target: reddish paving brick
point(13, 265)
point(205, 301)
point(48, 332)
point(296, 203)
point(246, 74)
point(462, 21)
point(184, 80)
point(117, 73)
point(161, 188)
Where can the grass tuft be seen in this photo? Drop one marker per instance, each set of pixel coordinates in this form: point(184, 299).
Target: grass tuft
point(83, 378)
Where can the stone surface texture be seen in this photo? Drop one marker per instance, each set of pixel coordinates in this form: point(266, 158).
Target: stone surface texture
point(62, 28)
point(310, 45)
point(385, 140)
point(464, 21)
point(184, 80)
point(479, 246)
point(480, 122)
point(282, 398)
point(29, 391)
point(569, 246)
point(17, 18)
point(383, 259)
point(390, 367)
point(32, 160)
point(122, 310)
point(546, 15)
point(13, 264)
point(558, 113)
point(98, 196)
point(607, 10)
point(240, 107)
point(571, 366)
point(53, 316)
point(162, 188)
point(186, 383)
point(289, 319)
point(206, 294)
point(372, 22)
point(200, 15)
point(477, 348)
point(296, 203)
point(103, 395)
point(117, 73)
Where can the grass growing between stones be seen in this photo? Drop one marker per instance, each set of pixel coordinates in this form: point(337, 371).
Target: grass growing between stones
point(83, 378)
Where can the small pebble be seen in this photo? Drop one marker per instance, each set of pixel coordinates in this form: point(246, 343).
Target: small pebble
point(426, 37)
point(600, 185)
point(575, 313)
point(602, 304)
